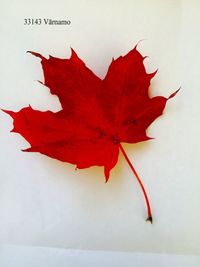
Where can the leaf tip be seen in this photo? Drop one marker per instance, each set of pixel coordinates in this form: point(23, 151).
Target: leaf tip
point(139, 43)
point(30, 149)
point(9, 112)
point(73, 54)
point(40, 82)
point(35, 54)
point(13, 130)
point(150, 138)
point(144, 57)
point(172, 95)
point(107, 174)
point(151, 75)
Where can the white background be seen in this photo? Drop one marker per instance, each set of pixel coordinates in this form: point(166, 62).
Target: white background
point(44, 202)
point(20, 256)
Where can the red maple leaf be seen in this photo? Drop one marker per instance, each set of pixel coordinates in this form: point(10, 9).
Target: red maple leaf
point(96, 116)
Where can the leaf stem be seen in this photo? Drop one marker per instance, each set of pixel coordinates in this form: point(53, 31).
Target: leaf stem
point(149, 218)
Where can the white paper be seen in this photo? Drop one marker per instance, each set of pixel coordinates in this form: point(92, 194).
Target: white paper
point(18, 256)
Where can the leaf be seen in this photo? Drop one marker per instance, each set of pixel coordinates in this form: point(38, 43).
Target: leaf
point(96, 116)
